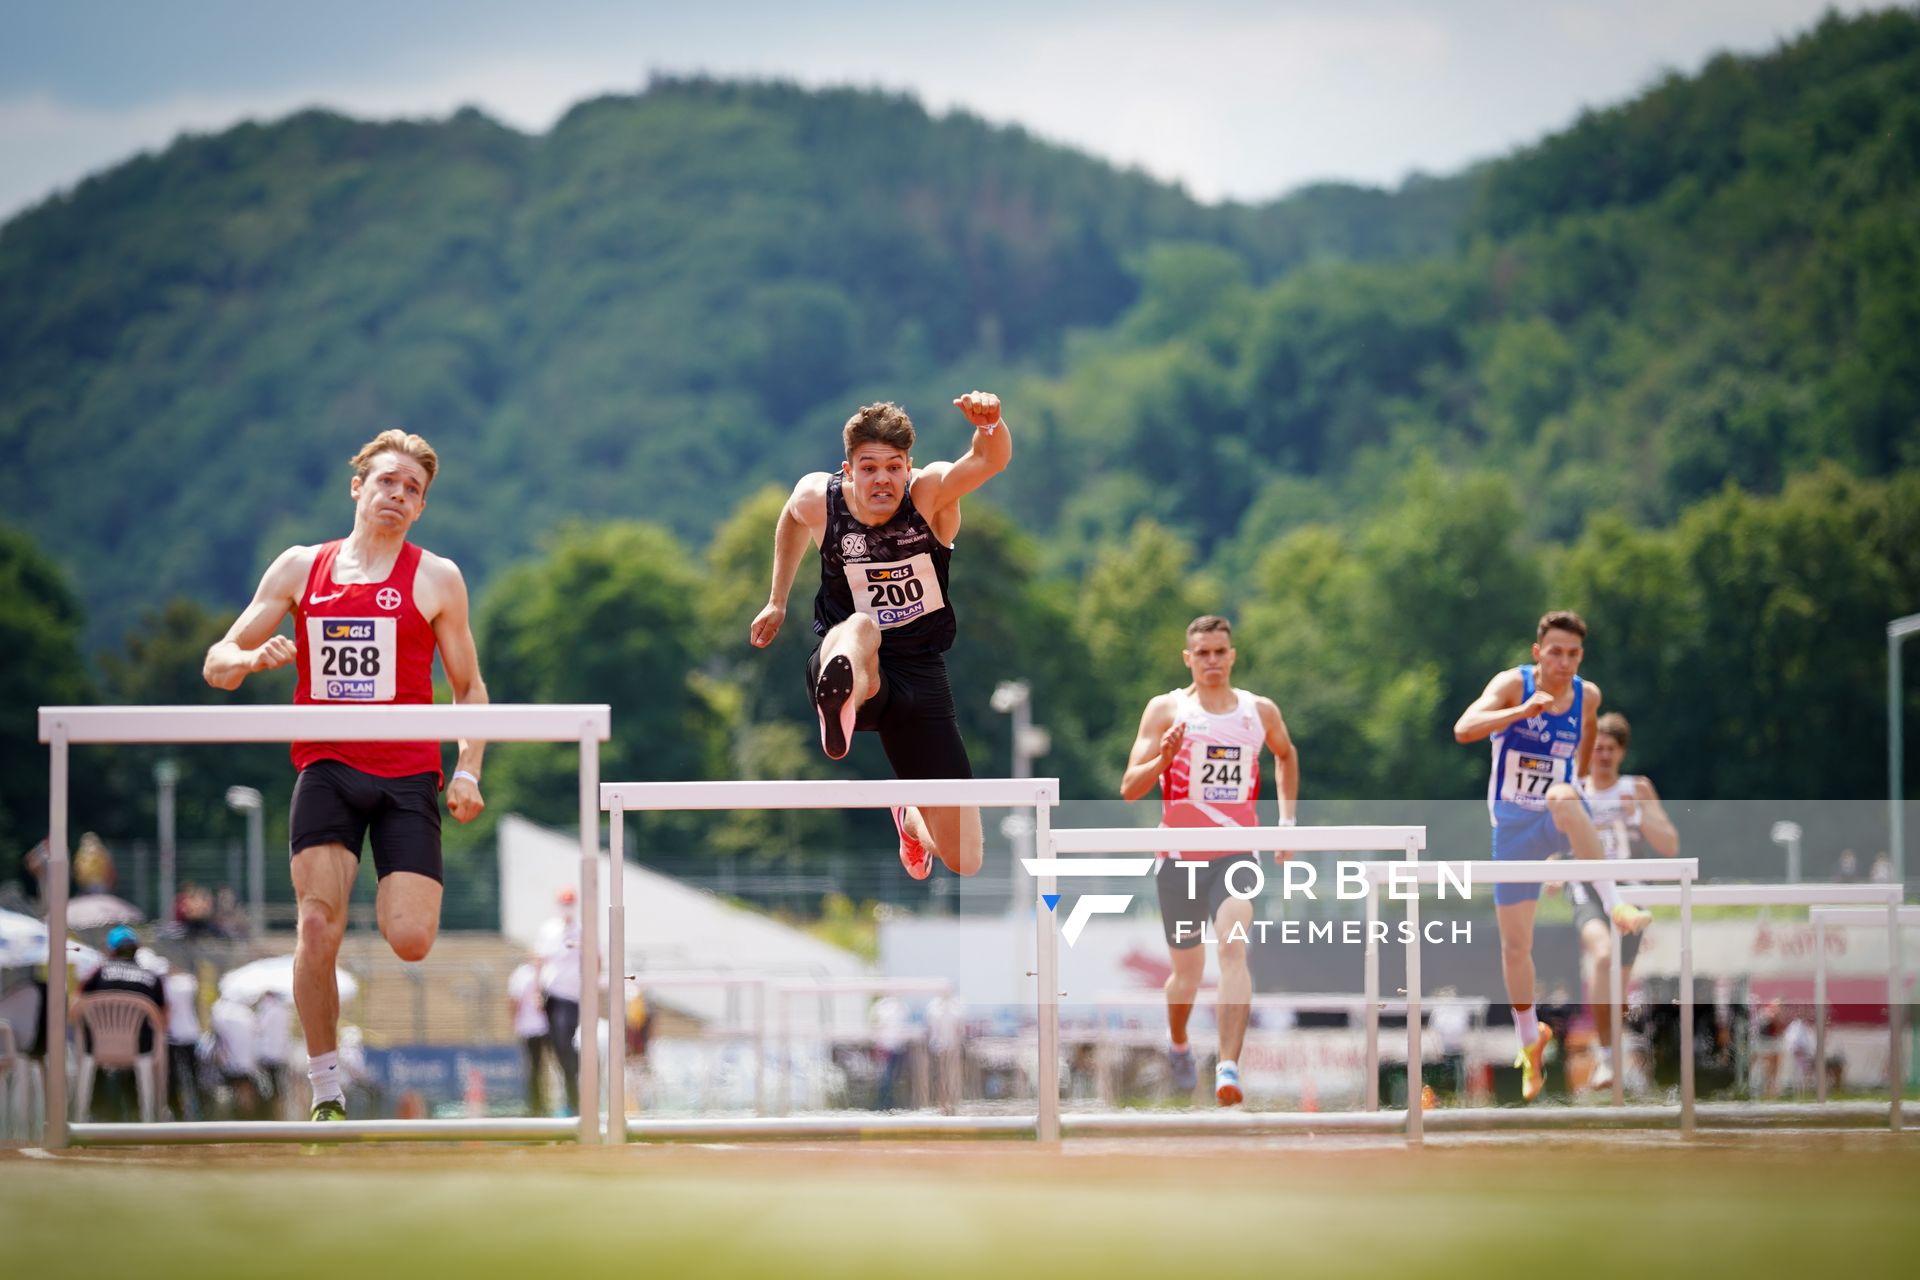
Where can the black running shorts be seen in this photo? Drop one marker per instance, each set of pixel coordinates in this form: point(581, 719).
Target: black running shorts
point(1588, 908)
point(334, 803)
point(914, 715)
point(1209, 894)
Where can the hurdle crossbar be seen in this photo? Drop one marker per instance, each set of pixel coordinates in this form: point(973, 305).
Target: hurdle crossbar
point(1894, 918)
point(61, 727)
point(617, 798)
point(1238, 839)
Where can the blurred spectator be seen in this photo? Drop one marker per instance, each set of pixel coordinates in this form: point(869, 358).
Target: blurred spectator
point(193, 909)
point(183, 1035)
point(229, 917)
point(526, 1004)
point(34, 863)
point(1847, 869)
point(1882, 872)
point(1799, 1046)
point(559, 950)
point(236, 1057)
point(639, 1022)
point(93, 870)
point(273, 1036)
point(121, 971)
point(892, 1037)
point(1769, 1029)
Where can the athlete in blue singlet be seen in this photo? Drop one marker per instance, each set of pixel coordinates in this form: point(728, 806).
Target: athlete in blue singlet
point(1540, 718)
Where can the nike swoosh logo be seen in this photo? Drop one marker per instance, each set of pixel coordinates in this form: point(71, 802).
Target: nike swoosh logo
point(323, 599)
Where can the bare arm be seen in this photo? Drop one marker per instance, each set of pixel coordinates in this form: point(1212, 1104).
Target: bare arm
point(1286, 758)
point(1656, 828)
point(802, 520)
point(943, 484)
point(453, 633)
point(250, 644)
point(1497, 707)
point(1589, 714)
point(1154, 749)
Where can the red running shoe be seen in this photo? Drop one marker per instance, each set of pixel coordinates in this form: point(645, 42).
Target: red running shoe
point(913, 854)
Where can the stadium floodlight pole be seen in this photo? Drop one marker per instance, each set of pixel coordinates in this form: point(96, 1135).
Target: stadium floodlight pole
point(1787, 835)
point(248, 801)
point(166, 776)
point(1897, 632)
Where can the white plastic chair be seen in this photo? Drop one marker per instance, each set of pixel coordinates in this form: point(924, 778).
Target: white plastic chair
point(113, 1019)
point(16, 1088)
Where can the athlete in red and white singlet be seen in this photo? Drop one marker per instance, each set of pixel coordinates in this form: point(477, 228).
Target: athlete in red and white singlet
point(1202, 745)
point(369, 612)
point(363, 643)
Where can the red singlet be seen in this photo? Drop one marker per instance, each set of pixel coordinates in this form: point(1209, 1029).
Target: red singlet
point(364, 644)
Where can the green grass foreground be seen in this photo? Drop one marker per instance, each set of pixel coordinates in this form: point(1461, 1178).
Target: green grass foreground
point(1749, 1204)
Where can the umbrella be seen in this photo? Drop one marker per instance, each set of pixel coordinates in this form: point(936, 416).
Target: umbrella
point(275, 973)
point(23, 942)
point(99, 910)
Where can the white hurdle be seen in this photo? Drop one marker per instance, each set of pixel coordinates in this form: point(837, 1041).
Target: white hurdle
point(1549, 871)
point(1039, 794)
point(60, 727)
point(1893, 917)
point(1871, 903)
point(1410, 841)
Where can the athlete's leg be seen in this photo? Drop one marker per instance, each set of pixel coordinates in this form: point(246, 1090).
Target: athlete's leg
point(322, 881)
point(1232, 925)
point(1596, 953)
point(858, 641)
point(1516, 950)
point(1182, 986)
point(949, 834)
point(408, 909)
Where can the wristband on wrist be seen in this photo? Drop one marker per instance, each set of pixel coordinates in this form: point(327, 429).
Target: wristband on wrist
point(462, 773)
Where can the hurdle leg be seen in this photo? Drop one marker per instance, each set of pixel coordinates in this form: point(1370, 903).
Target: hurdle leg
point(1616, 1015)
point(589, 1129)
point(1416, 1128)
point(1686, 1008)
point(1896, 1011)
point(1047, 970)
point(54, 889)
point(1371, 996)
point(1820, 1009)
point(616, 975)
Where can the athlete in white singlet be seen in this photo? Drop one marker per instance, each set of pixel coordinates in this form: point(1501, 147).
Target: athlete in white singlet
point(1627, 814)
point(1202, 745)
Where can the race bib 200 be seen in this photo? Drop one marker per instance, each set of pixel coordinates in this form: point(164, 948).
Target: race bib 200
point(898, 592)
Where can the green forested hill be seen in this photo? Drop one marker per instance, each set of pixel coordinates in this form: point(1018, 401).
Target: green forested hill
point(651, 309)
point(1659, 366)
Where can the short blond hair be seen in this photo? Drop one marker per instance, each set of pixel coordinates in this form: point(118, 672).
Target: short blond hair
point(395, 440)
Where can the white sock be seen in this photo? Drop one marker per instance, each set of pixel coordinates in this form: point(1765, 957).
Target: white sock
point(1602, 1055)
point(1608, 893)
point(1226, 1064)
point(323, 1073)
point(1526, 1023)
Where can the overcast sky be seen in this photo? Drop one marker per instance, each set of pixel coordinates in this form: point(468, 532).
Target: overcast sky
point(1241, 100)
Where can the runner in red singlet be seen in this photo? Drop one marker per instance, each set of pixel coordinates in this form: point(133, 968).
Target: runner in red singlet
point(368, 613)
point(1202, 744)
